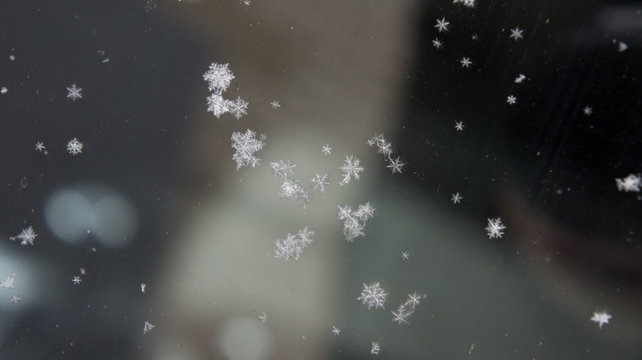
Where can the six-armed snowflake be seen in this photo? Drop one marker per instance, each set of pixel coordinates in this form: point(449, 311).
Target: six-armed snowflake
point(74, 147)
point(245, 145)
point(495, 228)
point(373, 295)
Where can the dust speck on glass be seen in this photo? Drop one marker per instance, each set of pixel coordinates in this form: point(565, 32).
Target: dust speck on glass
point(236, 179)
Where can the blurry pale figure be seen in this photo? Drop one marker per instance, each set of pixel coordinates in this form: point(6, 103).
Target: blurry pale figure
point(72, 214)
point(245, 339)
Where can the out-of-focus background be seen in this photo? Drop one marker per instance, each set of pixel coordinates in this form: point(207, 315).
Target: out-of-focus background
point(164, 234)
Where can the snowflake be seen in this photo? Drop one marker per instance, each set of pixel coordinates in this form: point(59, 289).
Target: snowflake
point(511, 99)
point(8, 284)
point(495, 228)
point(520, 78)
point(465, 62)
point(15, 298)
point(405, 255)
point(320, 182)
point(350, 169)
point(621, 46)
point(383, 146)
point(245, 145)
point(468, 3)
point(40, 146)
point(587, 110)
point(335, 330)
point(326, 149)
point(516, 33)
point(83, 271)
point(291, 189)
point(4, 90)
point(282, 168)
point(437, 44)
point(147, 327)
point(631, 183)
point(405, 310)
point(76, 280)
point(217, 105)
point(26, 236)
point(74, 147)
point(263, 317)
point(12, 57)
point(238, 107)
point(456, 198)
point(442, 25)
point(375, 348)
point(275, 104)
point(143, 287)
point(354, 222)
point(601, 318)
point(292, 246)
point(395, 165)
point(74, 92)
point(218, 77)
point(373, 295)
point(459, 125)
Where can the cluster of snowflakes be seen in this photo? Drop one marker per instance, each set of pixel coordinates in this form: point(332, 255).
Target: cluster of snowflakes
point(384, 147)
point(354, 221)
point(292, 246)
point(290, 187)
point(77, 279)
point(9, 283)
point(218, 78)
point(405, 310)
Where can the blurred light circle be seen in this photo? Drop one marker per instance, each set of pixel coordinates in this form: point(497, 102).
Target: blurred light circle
point(69, 215)
point(116, 221)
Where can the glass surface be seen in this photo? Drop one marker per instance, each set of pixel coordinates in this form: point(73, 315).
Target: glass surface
point(421, 179)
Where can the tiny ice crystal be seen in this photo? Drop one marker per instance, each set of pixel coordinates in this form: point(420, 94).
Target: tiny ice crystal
point(375, 348)
point(601, 318)
point(335, 330)
point(147, 327)
point(326, 149)
point(320, 182)
point(74, 92)
point(74, 147)
point(516, 33)
point(26, 236)
point(495, 228)
point(511, 99)
point(8, 284)
point(442, 25)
